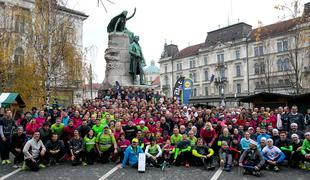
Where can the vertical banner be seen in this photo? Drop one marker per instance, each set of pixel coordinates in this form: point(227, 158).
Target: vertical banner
point(117, 88)
point(178, 87)
point(187, 88)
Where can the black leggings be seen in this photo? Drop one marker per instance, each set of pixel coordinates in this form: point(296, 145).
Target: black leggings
point(34, 166)
point(5, 148)
point(90, 156)
point(18, 156)
point(184, 157)
point(105, 155)
point(78, 158)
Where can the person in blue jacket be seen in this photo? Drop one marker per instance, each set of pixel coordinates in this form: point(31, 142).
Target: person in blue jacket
point(131, 154)
point(262, 134)
point(273, 156)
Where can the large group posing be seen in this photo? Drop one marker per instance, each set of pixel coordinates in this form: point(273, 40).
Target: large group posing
point(126, 122)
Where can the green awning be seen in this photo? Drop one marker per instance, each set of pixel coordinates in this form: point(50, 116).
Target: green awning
point(7, 99)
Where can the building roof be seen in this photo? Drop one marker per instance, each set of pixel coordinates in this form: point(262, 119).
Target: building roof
point(72, 11)
point(276, 29)
point(169, 50)
point(188, 51)
point(227, 34)
point(152, 69)
point(156, 81)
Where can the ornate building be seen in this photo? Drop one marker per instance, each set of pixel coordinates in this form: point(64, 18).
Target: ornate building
point(237, 61)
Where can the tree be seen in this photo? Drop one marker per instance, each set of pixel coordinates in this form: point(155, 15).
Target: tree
point(299, 45)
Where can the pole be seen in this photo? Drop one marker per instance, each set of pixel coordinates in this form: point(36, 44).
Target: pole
point(49, 55)
point(91, 81)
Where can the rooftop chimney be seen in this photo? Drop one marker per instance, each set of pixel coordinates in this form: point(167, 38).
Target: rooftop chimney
point(307, 9)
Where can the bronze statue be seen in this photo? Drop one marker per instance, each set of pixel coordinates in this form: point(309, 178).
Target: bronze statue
point(118, 23)
point(137, 61)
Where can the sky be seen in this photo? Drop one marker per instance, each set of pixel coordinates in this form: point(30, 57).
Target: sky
point(181, 22)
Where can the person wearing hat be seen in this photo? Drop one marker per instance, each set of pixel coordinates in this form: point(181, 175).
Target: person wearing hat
point(106, 144)
point(296, 156)
point(153, 153)
point(131, 154)
point(273, 156)
point(252, 160)
point(142, 128)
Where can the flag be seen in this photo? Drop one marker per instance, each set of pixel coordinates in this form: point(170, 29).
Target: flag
point(177, 90)
point(212, 78)
point(117, 88)
point(187, 88)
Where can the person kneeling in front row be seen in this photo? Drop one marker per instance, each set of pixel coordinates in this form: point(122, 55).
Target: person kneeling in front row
point(34, 152)
point(203, 155)
point(252, 160)
point(131, 154)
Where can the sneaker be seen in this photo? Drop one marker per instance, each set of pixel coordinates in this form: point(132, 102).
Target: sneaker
point(3, 162)
point(163, 166)
point(276, 169)
point(8, 161)
point(42, 166)
point(84, 163)
point(257, 173)
point(268, 167)
point(211, 167)
point(15, 166)
point(24, 167)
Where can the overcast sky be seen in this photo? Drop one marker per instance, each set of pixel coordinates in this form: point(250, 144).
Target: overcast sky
point(182, 22)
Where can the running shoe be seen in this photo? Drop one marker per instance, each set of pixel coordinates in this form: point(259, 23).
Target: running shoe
point(84, 163)
point(15, 166)
point(8, 161)
point(3, 162)
point(276, 169)
point(42, 166)
point(163, 166)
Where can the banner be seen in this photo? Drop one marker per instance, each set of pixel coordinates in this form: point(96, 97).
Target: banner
point(117, 88)
point(187, 88)
point(177, 90)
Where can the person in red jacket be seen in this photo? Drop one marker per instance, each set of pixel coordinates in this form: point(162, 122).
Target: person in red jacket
point(40, 119)
point(122, 144)
point(31, 127)
point(208, 134)
point(77, 120)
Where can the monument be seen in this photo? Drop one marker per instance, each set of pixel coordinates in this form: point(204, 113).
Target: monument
point(124, 58)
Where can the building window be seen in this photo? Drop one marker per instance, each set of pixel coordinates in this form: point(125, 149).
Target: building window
point(166, 80)
point(179, 66)
point(19, 24)
point(279, 64)
point(205, 59)
point(206, 91)
point(220, 58)
point(286, 64)
point(258, 51)
point(238, 71)
point(222, 72)
point(238, 88)
point(237, 53)
point(193, 76)
point(192, 63)
point(287, 81)
point(194, 92)
point(280, 81)
point(206, 75)
point(259, 68)
point(262, 68)
point(282, 45)
point(166, 68)
point(18, 56)
point(256, 68)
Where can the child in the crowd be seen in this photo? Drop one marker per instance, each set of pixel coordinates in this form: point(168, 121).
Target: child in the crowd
point(225, 156)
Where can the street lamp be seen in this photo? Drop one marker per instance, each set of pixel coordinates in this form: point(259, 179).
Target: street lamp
point(223, 97)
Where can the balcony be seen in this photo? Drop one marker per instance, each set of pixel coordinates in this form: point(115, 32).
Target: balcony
point(220, 65)
point(220, 80)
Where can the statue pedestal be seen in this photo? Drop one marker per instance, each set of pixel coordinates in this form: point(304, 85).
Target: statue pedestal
point(117, 61)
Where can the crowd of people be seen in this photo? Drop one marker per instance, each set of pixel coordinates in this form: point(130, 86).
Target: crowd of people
point(127, 122)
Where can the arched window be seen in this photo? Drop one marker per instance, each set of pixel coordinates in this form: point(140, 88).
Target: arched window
point(238, 71)
point(18, 56)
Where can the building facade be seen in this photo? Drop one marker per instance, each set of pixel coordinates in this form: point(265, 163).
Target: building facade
point(237, 61)
point(151, 73)
point(13, 20)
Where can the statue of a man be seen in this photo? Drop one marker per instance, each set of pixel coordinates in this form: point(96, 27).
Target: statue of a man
point(118, 23)
point(137, 61)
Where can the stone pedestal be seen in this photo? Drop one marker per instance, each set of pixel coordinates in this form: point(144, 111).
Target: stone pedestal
point(117, 61)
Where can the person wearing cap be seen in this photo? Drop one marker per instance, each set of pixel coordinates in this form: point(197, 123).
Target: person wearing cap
point(153, 153)
point(305, 151)
point(252, 160)
point(131, 154)
point(294, 130)
point(273, 156)
point(296, 156)
point(142, 128)
point(18, 141)
point(106, 144)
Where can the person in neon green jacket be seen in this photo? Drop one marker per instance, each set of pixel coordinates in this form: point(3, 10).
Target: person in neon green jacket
point(90, 142)
point(97, 128)
point(203, 155)
point(106, 145)
point(305, 150)
point(183, 152)
point(176, 137)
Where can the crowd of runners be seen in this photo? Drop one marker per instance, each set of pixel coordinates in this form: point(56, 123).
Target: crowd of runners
point(124, 123)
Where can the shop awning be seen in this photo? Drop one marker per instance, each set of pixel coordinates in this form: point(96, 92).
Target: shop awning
point(7, 99)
